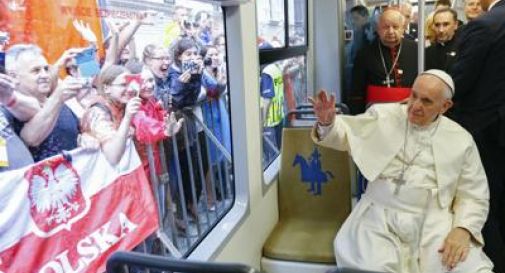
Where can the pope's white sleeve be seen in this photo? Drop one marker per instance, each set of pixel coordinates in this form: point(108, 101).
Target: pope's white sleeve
point(471, 202)
point(322, 131)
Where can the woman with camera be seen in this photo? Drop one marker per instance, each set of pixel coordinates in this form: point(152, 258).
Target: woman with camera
point(108, 118)
point(185, 93)
point(215, 114)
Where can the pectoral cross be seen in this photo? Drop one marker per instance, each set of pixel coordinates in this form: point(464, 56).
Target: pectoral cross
point(399, 182)
point(388, 81)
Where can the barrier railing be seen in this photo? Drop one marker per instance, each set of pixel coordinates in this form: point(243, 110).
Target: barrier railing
point(194, 189)
point(120, 262)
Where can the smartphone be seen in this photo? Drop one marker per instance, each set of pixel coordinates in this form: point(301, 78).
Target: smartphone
point(349, 35)
point(134, 83)
point(87, 64)
point(2, 62)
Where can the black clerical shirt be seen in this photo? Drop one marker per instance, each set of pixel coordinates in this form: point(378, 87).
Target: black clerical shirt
point(369, 70)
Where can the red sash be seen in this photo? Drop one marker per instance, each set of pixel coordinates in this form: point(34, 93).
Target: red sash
point(378, 94)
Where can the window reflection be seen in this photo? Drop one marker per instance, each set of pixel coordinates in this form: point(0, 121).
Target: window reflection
point(271, 23)
point(283, 88)
point(297, 22)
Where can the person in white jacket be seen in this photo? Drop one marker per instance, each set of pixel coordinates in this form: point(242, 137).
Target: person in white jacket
point(428, 197)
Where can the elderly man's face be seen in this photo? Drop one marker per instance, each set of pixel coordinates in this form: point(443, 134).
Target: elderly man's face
point(473, 9)
point(391, 28)
point(32, 71)
point(427, 100)
point(444, 26)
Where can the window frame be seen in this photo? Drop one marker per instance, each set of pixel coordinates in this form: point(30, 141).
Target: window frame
point(271, 55)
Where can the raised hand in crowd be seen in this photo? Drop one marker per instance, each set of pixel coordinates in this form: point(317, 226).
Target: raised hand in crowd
point(324, 108)
point(222, 78)
point(172, 126)
point(69, 88)
point(21, 106)
point(67, 56)
point(199, 62)
point(132, 107)
point(185, 76)
point(85, 30)
point(148, 17)
point(7, 86)
point(114, 47)
point(115, 27)
point(115, 147)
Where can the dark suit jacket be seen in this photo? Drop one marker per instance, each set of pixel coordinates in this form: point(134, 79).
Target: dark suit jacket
point(479, 71)
point(441, 56)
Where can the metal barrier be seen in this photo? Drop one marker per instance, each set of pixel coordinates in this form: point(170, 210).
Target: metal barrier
point(194, 188)
point(120, 262)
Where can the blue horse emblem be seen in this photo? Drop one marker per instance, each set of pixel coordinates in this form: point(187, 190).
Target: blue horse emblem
point(311, 171)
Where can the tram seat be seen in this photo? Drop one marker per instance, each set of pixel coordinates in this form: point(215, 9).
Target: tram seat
point(309, 220)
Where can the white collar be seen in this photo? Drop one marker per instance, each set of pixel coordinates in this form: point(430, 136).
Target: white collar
point(492, 5)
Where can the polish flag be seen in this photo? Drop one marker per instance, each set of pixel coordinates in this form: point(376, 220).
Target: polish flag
point(63, 216)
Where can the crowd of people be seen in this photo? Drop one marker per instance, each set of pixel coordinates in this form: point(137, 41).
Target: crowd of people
point(93, 102)
point(442, 29)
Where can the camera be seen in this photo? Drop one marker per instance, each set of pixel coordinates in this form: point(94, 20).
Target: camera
point(192, 66)
point(207, 62)
point(349, 35)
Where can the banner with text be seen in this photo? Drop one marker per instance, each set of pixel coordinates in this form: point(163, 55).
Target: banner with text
point(68, 214)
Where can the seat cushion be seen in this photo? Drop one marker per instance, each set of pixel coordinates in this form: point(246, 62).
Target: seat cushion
point(301, 240)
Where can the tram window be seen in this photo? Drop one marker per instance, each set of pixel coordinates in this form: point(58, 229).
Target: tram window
point(271, 23)
point(200, 187)
point(283, 72)
point(283, 88)
point(297, 14)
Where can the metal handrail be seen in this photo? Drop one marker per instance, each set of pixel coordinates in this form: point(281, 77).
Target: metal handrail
point(307, 109)
point(117, 261)
point(210, 135)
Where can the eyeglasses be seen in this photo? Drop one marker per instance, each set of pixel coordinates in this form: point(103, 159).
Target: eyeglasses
point(119, 84)
point(161, 58)
point(190, 24)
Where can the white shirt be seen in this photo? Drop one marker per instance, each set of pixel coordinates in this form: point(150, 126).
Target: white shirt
point(417, 162)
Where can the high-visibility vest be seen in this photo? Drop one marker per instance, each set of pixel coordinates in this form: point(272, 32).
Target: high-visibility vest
point(275, 112)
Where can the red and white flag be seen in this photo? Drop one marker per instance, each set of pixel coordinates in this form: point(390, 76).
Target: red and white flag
point(61, 216)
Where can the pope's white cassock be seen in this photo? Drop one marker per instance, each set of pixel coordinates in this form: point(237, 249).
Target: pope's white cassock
point(424, 182)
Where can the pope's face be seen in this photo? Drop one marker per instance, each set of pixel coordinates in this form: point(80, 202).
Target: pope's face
point(427, 100)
